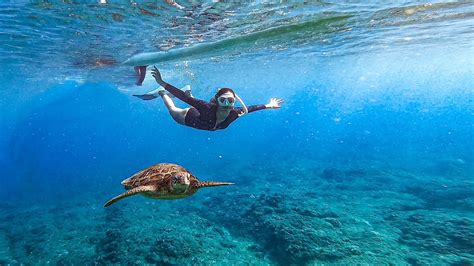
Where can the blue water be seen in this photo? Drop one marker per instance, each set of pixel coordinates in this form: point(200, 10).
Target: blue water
point(370, 160)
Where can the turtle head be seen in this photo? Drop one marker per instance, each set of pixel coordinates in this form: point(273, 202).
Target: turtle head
point(180, 183)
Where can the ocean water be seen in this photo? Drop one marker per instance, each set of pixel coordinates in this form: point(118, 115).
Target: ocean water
point(370, 160)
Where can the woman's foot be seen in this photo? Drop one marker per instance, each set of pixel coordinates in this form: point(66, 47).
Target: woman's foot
point(153, 94)
point(188, 93)
point(187, 90)
point(164, 92)
point(161, 92)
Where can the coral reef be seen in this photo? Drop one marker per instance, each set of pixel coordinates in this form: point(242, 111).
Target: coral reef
point(282, 213)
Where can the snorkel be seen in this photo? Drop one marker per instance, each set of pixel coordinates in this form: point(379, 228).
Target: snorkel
point(244, 107)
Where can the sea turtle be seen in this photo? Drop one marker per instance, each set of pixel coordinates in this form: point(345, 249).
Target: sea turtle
point(163, 181)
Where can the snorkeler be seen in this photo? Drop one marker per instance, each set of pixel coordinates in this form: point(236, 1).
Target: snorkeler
point(219, 113)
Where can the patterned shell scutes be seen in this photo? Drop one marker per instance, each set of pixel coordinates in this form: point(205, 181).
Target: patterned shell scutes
point(156, 174)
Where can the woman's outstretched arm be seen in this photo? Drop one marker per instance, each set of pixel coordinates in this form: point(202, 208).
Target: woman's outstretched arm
point(198, 104)
point(274, 103)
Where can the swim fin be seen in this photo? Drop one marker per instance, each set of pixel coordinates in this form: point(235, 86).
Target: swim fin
point(149, 95)
point(156, 93)
point(141, 72)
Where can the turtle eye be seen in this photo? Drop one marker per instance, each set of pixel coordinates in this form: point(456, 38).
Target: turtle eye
point(176, 178)
point(179, 179)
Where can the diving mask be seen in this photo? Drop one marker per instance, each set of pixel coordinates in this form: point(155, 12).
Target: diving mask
point(226, 101)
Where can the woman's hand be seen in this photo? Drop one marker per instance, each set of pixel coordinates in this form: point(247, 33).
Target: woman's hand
point(274, 103)
point(157, 75)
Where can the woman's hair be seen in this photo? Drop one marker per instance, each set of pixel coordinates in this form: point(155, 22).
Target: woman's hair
point(220, 92)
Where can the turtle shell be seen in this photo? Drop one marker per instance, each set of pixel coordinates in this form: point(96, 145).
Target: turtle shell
point(157, 174)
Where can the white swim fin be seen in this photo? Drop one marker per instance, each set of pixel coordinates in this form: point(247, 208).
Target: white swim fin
point(150, 95)
point(156, 93)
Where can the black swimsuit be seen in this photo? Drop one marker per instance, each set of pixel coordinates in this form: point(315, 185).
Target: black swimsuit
point(202, 115)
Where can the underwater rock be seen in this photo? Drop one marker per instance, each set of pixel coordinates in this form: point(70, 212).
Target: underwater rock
point(171, 246)
point(462, 262)
point(436, 234)
point(110, 245)
point(191, 240)
point(227, 244)
point(450, 168)
point(334, 222)
point(327, 214)
point(355, 173)
point(333, 174)
point(411, 206)
point(413, 261)
point(437, 195)
point(288, 236)
point(4, 248)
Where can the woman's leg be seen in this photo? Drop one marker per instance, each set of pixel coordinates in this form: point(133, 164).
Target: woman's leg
point(178, 114)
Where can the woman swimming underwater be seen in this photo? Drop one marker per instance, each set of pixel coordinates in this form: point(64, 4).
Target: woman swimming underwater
point(219, 113)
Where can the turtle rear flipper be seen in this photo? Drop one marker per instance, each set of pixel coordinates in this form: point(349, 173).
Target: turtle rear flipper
point(129, 193)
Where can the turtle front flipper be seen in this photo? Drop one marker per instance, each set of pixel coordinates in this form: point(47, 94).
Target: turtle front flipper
point(129, 193)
